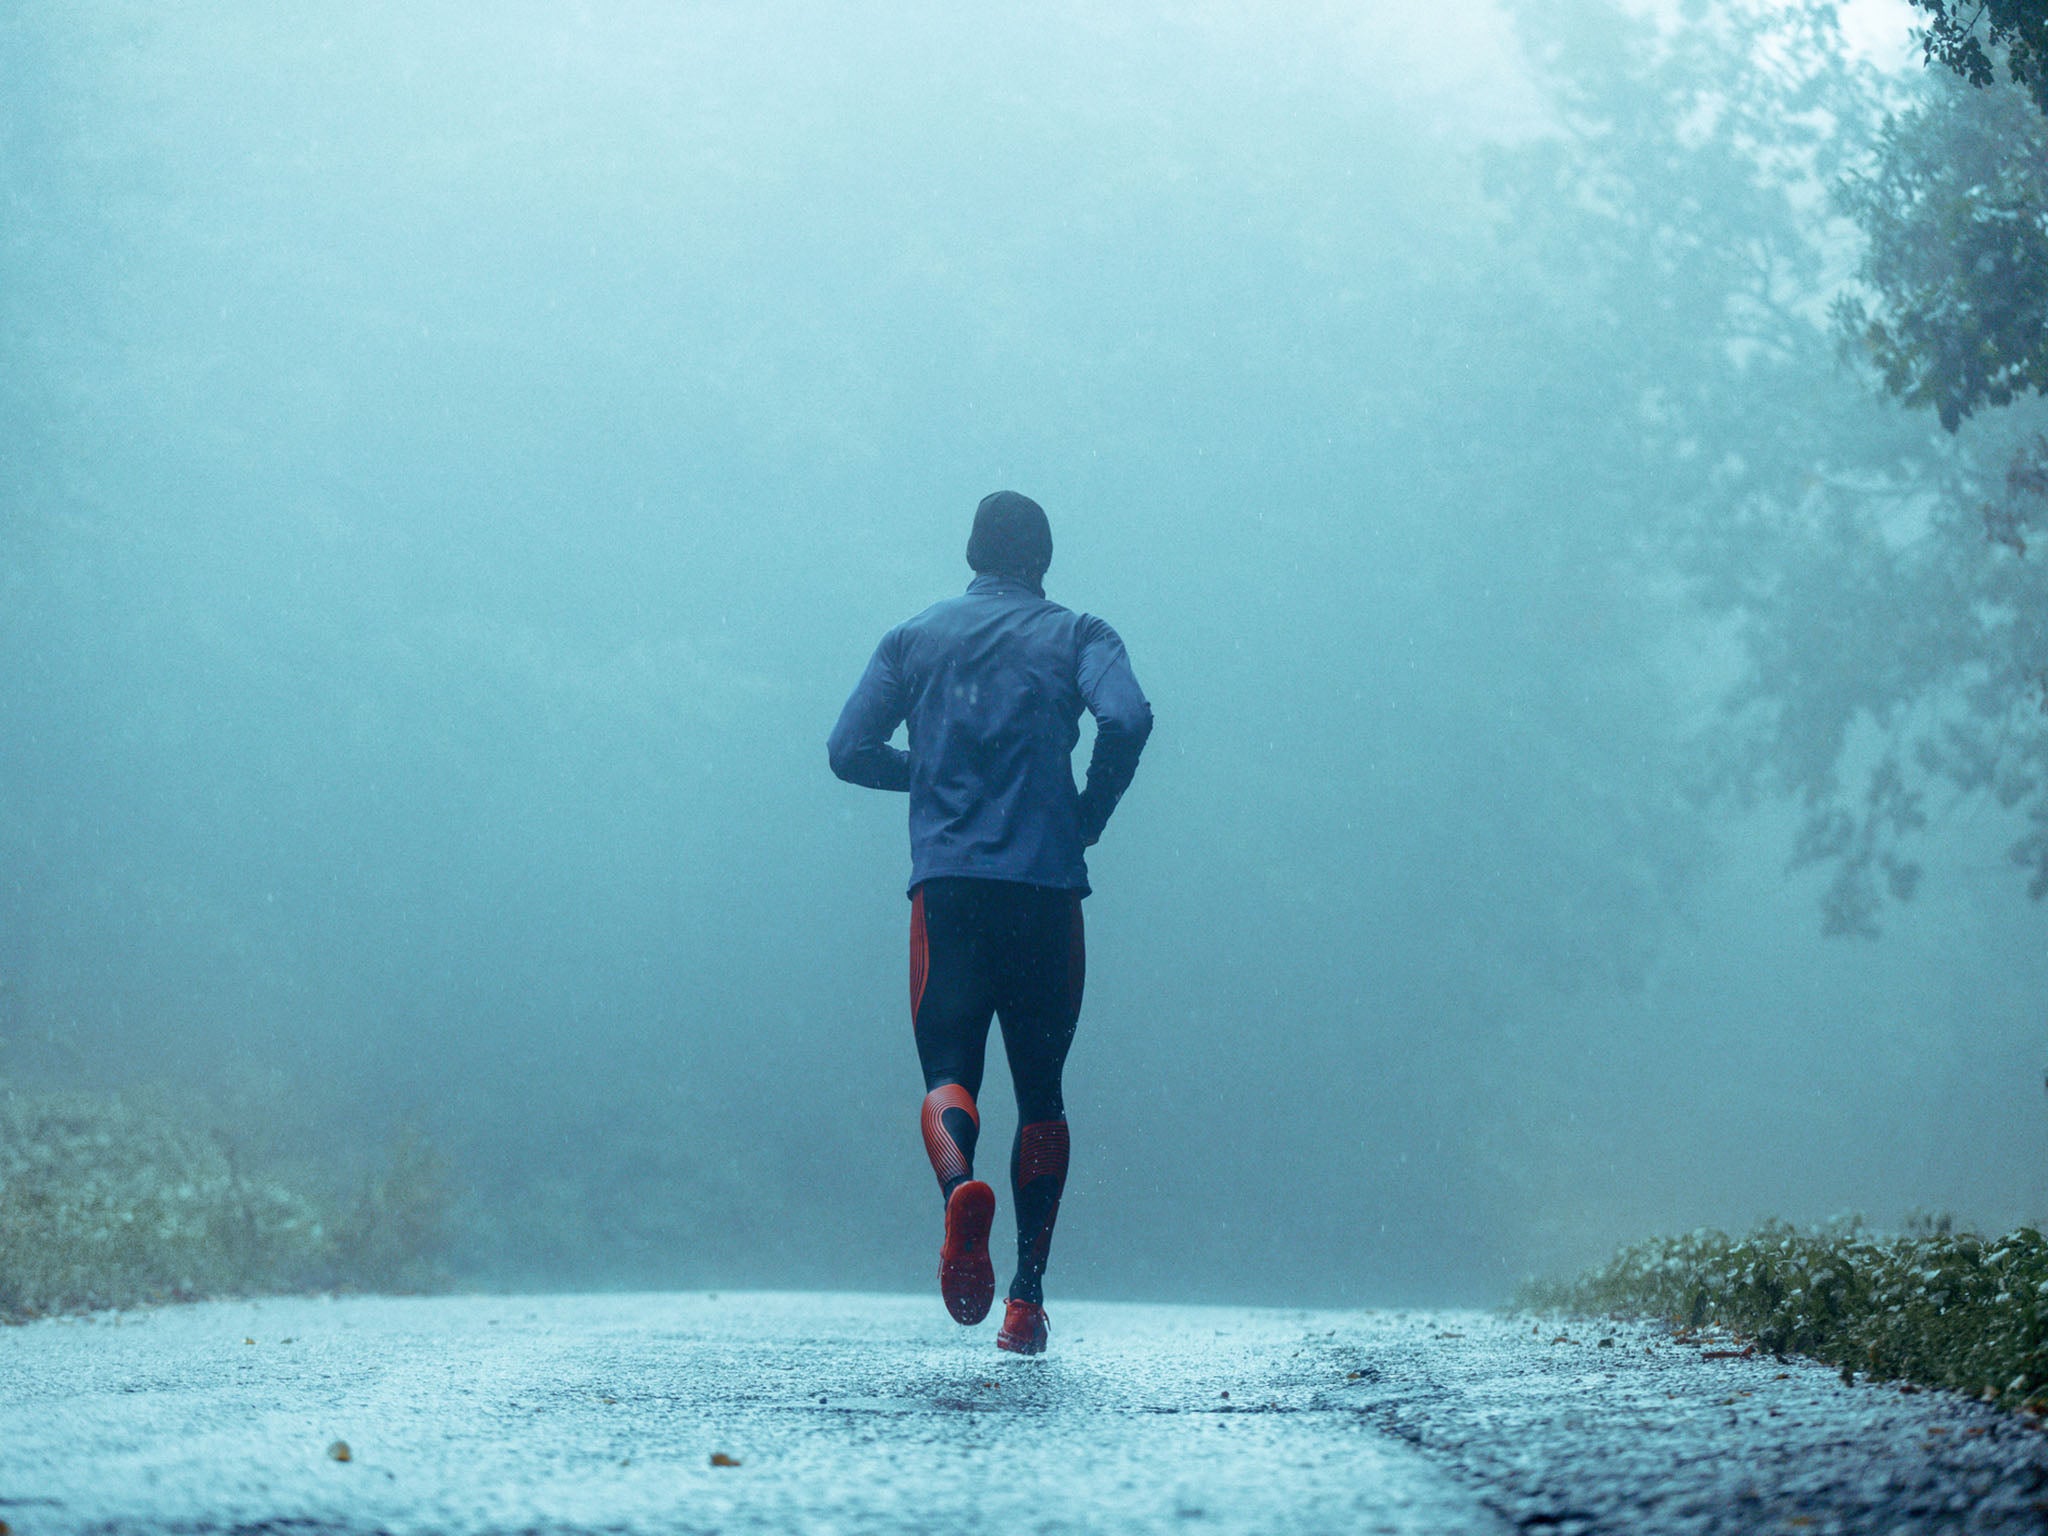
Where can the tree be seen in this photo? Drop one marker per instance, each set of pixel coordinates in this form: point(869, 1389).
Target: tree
point(1952, 311)
point(1955, 210)
point(2016, 30)
point(1682, 243)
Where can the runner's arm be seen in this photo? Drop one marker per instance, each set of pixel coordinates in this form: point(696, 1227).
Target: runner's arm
point(1123, 719)
point(859, 746)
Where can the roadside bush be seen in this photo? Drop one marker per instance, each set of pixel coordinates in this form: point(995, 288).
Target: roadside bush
point(393, 1235)
point(1932, 1306)
point(109, 1201)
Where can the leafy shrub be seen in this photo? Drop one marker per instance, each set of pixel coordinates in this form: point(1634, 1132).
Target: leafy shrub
point(109, 1201)
point(392, 1235)
point(1932, 1306)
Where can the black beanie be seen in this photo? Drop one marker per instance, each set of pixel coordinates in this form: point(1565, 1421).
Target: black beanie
point(1011, 537)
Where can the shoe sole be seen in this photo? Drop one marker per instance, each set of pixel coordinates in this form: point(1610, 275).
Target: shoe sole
point(967, 1276)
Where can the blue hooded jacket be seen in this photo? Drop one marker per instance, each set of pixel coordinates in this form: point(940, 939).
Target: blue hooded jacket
point(992, 684)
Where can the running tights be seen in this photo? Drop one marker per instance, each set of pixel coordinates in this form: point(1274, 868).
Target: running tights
point(983, 949)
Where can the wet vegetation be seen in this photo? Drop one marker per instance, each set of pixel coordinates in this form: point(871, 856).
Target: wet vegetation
point(1930, 1306)
point(116, 1201)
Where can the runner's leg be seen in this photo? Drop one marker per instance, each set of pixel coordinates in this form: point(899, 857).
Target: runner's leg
point(1040, 1006)
point(952, 998)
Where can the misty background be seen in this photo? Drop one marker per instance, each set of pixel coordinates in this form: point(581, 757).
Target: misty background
point(455, 462)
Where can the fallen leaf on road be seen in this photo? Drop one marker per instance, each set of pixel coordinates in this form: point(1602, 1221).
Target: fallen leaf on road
point(1348, 1376)
point(720, 1459)
point(339, 1451)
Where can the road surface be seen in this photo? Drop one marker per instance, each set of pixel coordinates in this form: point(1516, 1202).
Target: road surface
point(866, 1413)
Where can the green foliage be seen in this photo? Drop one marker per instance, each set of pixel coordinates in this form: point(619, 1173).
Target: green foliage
point(1681, 252)
point(1953, 312)
point(103, 1203)
point(1683, 261)
point(1955, 209)
point(391, 1235)
point(1932, 1306)
point(111, 1202)
point(1971, 37)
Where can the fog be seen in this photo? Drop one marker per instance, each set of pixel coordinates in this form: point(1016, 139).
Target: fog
point(458, 459)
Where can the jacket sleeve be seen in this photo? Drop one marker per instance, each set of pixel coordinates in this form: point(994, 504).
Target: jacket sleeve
point(1123, 719)
point(859, 745)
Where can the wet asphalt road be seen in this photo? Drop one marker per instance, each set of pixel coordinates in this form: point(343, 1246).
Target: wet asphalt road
point(864, 1413)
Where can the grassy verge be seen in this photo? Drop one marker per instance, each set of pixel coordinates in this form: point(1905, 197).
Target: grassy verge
point(1933, 1306)
point(110, 1201)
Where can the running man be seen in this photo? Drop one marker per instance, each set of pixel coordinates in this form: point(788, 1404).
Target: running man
point(992, 685)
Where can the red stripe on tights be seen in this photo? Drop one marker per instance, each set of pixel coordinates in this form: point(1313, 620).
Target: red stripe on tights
point(1042, 1152)
point(920, 952)
point(948, 1161)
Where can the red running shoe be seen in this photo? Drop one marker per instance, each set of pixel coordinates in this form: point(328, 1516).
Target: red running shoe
point(967, 1279)
point(1024, 1328)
